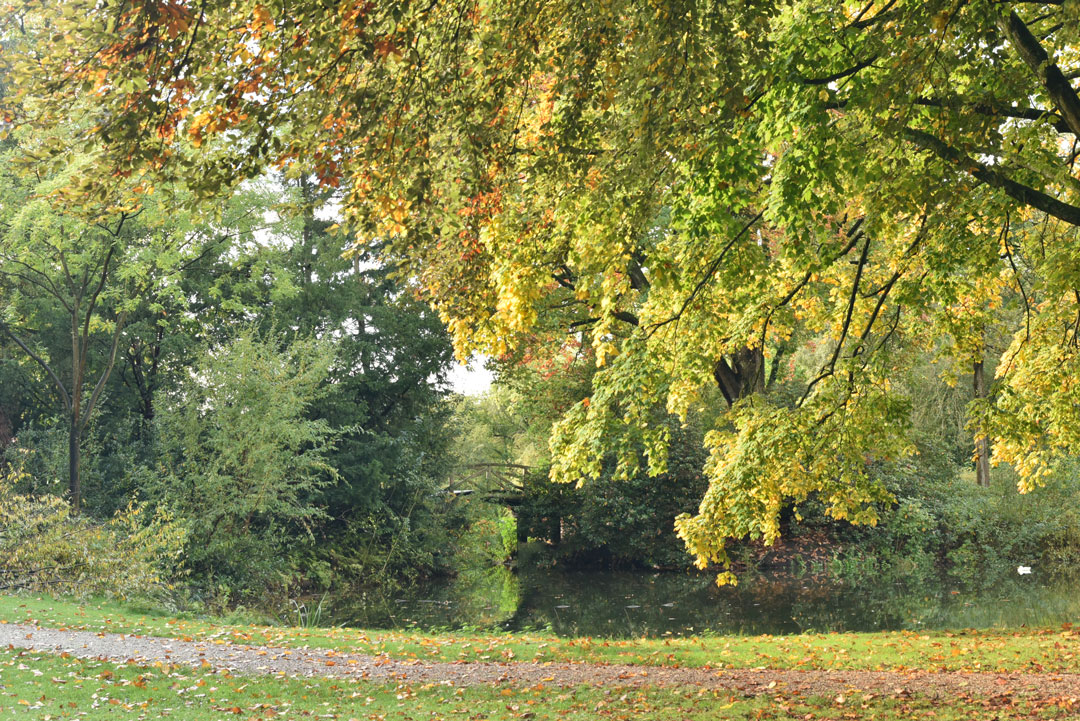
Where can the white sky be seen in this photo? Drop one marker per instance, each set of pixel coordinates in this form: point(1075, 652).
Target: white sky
point(470, 380)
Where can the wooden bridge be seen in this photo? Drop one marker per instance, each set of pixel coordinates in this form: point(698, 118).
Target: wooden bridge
point(504, 484)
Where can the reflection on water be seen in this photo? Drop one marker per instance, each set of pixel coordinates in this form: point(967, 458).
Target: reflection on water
point(623, 604)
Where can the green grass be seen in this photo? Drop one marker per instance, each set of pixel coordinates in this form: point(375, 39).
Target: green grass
point(50, 687)
point(1041, 650)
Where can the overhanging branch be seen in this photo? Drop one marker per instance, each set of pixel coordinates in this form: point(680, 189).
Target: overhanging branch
point(1053, 80)
point(984, 173)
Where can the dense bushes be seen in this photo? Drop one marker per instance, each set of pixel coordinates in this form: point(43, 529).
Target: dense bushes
point(239, 461)
point(44, 546)
point(619, 522)
point(943, 520)
point(284, 402)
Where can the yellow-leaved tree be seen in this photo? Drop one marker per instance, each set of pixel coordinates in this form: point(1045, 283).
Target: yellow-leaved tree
point(695, 188)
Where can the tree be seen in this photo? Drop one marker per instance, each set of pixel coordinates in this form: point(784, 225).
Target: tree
point(384, 392)
point(505, 434)
point(65, 279)
point(694, 188)
point(223, 268)
point(241, 459)
point(81, 294)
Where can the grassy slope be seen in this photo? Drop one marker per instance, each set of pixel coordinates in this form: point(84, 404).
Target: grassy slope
point(1043, 650)
point(48, 687)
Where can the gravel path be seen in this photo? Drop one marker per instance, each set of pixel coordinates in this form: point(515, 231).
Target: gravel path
point(241, 659)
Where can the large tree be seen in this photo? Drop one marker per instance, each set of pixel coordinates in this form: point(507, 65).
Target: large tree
point(68, 287)
point(696, 188)
point(384, 393)
point(79, 295)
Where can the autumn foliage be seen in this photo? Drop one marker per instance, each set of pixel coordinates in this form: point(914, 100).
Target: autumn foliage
point(696, 190)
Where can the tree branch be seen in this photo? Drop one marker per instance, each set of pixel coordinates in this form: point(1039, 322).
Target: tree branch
point(48, 286)
point(105, 373)
point(64, 396)
point(830, 368)
point(1053, 81)
point(882, 14)
point(638, 281)
point(708, 273)
point(841, 74)
point(999, 110)
point(854, 237)
point(983, 173)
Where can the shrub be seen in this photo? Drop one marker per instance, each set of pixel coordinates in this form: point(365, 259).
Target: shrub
point(242, 462)
point(44, 546)
point(942, 518)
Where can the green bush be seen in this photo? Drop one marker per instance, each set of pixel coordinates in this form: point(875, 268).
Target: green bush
point(241, 463)
point(44, 546)
point(488, 539)
point(942, 519)
point(507, 526)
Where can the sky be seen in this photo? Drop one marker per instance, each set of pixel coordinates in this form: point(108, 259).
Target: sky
point(470, 380)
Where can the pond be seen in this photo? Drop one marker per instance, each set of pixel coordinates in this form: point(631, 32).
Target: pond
point(632, 604)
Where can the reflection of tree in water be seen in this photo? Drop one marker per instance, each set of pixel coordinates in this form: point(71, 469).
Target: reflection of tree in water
point(634, 604)
point(1006, 601)
point(626, 604)
point(838, 606)
point(481, 597)
point(487, 597)
point(894, 602)
point(617, 603)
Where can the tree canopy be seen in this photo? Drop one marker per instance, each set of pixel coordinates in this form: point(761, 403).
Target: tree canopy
point(699, 191)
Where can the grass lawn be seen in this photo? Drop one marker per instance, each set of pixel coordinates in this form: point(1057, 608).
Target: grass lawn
point(1035, 650)
point(50, 687)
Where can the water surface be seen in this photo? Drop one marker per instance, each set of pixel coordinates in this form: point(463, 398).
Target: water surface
point(632, 604)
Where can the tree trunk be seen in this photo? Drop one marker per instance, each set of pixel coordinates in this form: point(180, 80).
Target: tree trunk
point(982, 445)
point(741, 374)
point(74, 480)
point(7, 434)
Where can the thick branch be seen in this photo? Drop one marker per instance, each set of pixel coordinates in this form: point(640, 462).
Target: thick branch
point(999, 110)
point(983, 173)
point(1057, 87)
point(724, 377)
point(980, 107)
point(742, 376)
point(638, 281)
